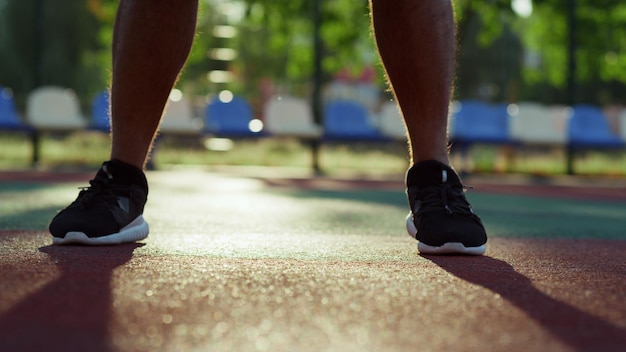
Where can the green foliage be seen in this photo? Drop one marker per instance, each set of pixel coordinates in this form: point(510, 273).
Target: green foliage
point(68, 43)
point(600, 34)
point(490, 35)
point(493, 16)
point(48, 43)
point(490, 52)
point(275, 40)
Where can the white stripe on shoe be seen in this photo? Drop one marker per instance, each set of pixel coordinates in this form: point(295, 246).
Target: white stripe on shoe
point(446, 248)
point(137, 230)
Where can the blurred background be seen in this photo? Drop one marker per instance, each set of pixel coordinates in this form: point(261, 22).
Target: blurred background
point(551, 53)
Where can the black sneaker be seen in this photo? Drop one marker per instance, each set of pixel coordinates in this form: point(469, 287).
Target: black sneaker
point(107, 212)
point(441, 219)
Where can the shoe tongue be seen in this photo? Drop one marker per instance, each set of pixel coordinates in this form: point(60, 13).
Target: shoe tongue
point(122, 173)
point(431, 173)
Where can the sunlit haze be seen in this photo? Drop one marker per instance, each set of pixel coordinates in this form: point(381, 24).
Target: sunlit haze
point(523, 8)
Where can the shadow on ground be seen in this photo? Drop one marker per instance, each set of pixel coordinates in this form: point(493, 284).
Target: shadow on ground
point(72, 312)
point(579, 330)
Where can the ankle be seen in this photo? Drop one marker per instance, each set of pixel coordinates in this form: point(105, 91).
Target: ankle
point(126, 173)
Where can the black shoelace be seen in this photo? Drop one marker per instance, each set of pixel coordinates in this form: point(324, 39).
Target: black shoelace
point(443, 196)
point(100, 189)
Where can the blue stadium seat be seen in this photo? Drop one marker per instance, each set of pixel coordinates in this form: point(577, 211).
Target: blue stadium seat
point(349, 120)
point(9, 118)
point(100, 117)
point(230, 118)
point(477, 122)
point(589, 128)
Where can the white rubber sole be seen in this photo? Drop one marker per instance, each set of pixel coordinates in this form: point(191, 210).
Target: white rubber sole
point(446, 248)
point(137, 230)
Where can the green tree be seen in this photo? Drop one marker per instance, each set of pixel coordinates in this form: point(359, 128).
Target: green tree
point(275, 40)
point(489, 50)
point(600, 49)
point(527, 58)
point(67, 43)
point(46, 42)
point(601, 40)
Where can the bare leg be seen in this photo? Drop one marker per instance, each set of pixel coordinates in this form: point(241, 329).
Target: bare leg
point(151, 42)
point(416, 44)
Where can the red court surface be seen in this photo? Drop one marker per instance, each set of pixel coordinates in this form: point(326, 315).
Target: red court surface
point(269, 264)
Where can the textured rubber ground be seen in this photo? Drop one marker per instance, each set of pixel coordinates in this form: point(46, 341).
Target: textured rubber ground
point(311, 269)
